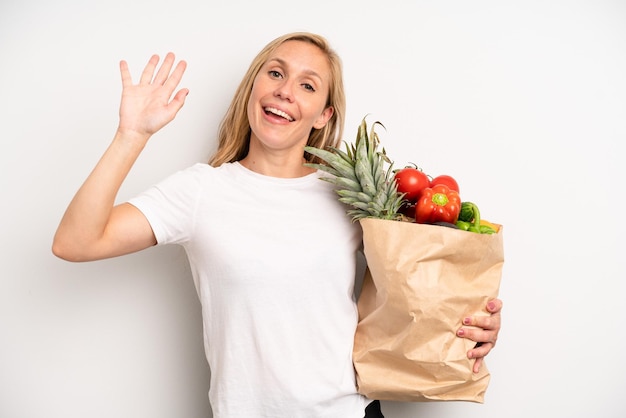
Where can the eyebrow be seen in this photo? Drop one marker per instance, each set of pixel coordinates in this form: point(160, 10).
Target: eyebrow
point(308, 72)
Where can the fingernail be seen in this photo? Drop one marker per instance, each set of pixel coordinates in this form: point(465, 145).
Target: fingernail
point(467, 321)
point(491, 306)
point(460, 332)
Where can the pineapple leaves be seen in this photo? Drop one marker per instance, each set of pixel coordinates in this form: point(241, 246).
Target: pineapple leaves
point(359, 174)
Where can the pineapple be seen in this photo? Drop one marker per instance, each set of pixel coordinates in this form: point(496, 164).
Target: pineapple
point(360, 177)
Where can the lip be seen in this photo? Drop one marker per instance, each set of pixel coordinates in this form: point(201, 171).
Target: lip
point(278, 112)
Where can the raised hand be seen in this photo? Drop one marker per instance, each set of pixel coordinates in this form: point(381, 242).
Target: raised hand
point(148, 106)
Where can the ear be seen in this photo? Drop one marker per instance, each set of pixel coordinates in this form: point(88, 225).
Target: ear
point(324, 117)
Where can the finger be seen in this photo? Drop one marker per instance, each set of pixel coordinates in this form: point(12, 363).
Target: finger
point(491, 322)
point(126, 78)
point(480, 350)
point(148, 71)
point(178, 101)
point(176, 76)
point(494, 306)
point(477, 365)
point(164, 71)
point(478, 335)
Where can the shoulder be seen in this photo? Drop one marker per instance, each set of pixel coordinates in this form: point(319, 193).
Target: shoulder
point(198, 173)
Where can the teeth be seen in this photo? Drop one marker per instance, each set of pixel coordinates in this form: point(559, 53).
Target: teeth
point(279, 113)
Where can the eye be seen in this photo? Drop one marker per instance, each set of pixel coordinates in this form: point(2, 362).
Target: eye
point(274, 74)
point(308, 87)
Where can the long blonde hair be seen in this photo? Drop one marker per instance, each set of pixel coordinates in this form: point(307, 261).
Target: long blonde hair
point(234, 131)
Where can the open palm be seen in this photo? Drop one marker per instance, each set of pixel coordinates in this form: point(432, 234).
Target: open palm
point(148, 106)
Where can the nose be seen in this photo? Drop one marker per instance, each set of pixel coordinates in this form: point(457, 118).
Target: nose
point(285, 90)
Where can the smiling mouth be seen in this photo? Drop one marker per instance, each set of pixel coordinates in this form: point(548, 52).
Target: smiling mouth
point(278, 112)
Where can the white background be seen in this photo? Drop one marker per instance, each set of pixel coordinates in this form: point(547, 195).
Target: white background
point(523, 101)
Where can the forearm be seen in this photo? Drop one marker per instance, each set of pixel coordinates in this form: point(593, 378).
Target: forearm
point(84, 224)
point(92, 226)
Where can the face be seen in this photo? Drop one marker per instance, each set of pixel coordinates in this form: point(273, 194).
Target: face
point(289, 98)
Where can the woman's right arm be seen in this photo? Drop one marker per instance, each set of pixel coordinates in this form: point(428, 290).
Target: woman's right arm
point(93, 227)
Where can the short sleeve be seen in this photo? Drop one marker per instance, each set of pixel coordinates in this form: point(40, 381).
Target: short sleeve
point(170, 205)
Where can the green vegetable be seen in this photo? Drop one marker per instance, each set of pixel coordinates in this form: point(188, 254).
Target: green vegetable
point(486, 229)
point(469, 219)
point(463, 225)
point(467, 212)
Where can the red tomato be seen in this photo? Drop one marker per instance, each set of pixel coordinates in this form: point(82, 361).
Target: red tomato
point(447, 180)
point(411, 181)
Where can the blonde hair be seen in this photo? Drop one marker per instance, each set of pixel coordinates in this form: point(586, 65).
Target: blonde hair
point(234, 131)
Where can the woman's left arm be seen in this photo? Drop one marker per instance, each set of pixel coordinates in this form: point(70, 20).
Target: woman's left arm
point(483, 330)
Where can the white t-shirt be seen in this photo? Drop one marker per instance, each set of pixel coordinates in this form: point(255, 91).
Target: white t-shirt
point(274, 263)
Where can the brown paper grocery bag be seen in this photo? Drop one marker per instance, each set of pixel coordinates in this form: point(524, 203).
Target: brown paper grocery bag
point(421, 281)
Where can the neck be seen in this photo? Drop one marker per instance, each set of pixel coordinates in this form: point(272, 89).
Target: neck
point(277, 162)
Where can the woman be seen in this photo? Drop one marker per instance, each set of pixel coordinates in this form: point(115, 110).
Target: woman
point(272, 251)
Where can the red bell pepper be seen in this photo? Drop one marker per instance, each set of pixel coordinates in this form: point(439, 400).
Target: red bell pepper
point(438, 204)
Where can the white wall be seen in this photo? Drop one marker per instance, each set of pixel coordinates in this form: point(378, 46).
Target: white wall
point(523, 101)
